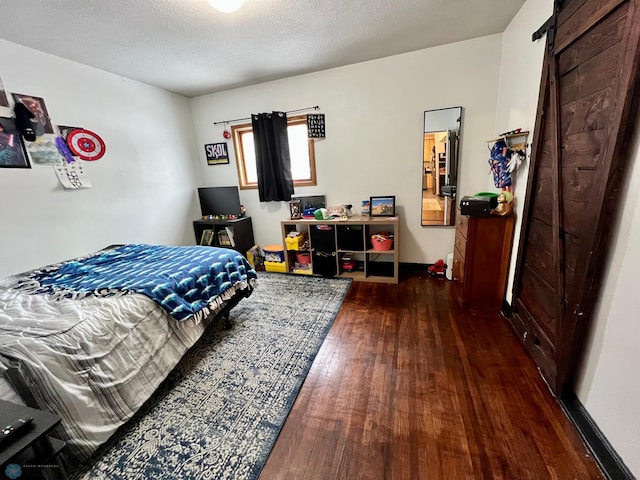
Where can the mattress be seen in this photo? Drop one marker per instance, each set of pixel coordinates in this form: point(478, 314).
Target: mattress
point(96, 367)
point(93, 359)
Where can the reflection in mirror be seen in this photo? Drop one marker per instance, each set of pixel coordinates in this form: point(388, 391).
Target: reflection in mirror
point(440, 165)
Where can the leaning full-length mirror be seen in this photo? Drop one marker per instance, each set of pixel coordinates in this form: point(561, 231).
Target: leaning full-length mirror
point(440, 165)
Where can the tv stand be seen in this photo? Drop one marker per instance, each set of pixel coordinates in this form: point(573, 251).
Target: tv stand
point(241, 228)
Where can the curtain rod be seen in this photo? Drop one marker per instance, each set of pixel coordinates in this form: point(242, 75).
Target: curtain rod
point(249, 118)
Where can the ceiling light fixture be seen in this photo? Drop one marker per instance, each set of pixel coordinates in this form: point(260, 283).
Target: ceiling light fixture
point(226, 6)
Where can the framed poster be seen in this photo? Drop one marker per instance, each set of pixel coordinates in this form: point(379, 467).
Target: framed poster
point(216, 153)
point(4, 102)
point(12, 151)
point(64, 130)
point(38, 108)
point(315, 125)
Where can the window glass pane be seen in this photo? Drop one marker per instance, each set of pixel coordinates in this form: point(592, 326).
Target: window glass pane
point(299, 152)
point(249, 157)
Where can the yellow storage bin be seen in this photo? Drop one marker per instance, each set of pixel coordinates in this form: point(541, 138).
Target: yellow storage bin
point(303, 271)
point(295, 240)
point(275, 266)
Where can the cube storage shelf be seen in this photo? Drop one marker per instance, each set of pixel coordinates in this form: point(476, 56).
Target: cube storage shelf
point(336, 244)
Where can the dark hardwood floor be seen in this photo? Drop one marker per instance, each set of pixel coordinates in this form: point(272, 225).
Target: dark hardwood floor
point(407, 385)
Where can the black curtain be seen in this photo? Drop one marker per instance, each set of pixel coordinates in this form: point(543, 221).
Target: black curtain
point(273, 162)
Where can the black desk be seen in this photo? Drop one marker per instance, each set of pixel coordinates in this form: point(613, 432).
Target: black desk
point(30, 448)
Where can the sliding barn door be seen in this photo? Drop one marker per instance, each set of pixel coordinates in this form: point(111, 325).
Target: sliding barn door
point(579, 158)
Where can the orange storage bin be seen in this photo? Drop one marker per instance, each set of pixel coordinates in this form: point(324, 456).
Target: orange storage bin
point(382, 241)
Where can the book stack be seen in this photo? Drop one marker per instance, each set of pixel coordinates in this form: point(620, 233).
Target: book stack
point(207, 237)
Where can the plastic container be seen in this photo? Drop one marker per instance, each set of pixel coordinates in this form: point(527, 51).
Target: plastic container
point(382, 241)
point(323, 238)
point(295, 242)
point(303, 258)
point(350, 237)
point(493, 198)
point(449, 271)
point(275, 266)
point(274, 253)
point(324, 264)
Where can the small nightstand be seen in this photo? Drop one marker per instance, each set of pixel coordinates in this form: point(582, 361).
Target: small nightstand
point(31, 449)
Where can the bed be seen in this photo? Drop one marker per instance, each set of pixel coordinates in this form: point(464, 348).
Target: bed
point(92, 338)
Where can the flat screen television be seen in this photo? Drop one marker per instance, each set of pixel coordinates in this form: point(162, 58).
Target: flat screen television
point(219, 201)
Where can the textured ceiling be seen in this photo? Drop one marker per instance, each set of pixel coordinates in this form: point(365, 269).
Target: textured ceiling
point(186, 47)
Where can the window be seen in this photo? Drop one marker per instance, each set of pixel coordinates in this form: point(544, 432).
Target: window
point(301, 150)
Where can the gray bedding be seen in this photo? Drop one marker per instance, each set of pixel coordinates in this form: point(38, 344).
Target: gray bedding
point(93, 361)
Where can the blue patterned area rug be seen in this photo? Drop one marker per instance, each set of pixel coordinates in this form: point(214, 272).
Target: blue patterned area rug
point(220, 411)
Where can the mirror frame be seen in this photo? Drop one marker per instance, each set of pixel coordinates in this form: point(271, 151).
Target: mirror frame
point(450, 124)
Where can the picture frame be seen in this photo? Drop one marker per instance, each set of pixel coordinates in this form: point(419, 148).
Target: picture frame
point(4, 101)
point(382, 206)
point(216, 153)
point(12, 150)
point(37, 106)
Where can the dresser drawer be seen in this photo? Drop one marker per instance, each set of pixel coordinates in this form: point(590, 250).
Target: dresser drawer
point(457, 270)
point(460, 244)
point(462, 225)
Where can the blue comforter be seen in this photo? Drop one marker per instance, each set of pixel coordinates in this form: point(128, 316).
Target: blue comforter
point(185, 281)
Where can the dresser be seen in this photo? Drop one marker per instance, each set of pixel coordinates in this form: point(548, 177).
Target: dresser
point(481, 260)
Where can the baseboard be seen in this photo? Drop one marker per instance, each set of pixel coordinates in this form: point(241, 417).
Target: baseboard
point(413, 267)
point(604, 454)
point(506, 310)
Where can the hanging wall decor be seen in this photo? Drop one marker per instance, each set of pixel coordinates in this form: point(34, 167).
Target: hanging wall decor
point(315, 125)
point(4, 101)
point(216, 153)
point(64, 130)
point(226, 134)
point(64, 133)
point(72, 176)
point(44, 150)
point(86, 144)
point(12, 152)
point(38, 108)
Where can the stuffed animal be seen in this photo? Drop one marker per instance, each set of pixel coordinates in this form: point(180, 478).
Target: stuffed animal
point(505, 206)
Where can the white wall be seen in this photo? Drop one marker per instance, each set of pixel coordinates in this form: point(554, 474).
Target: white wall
point(609, 386)
point(374, 115)
point(143, 186)
point(520, 72)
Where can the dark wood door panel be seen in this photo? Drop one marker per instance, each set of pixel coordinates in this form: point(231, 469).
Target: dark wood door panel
point(540, 300)
point(597, 73)
point(607, 33)
point(590, 13)
point(526, 318)
point(578, 183)
point(584, 120)
point(567, 11)
point(540, 235)
point(542, 196)
point(541, 262)
point(584, 144)
point(592, 112)
point(579, 187)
